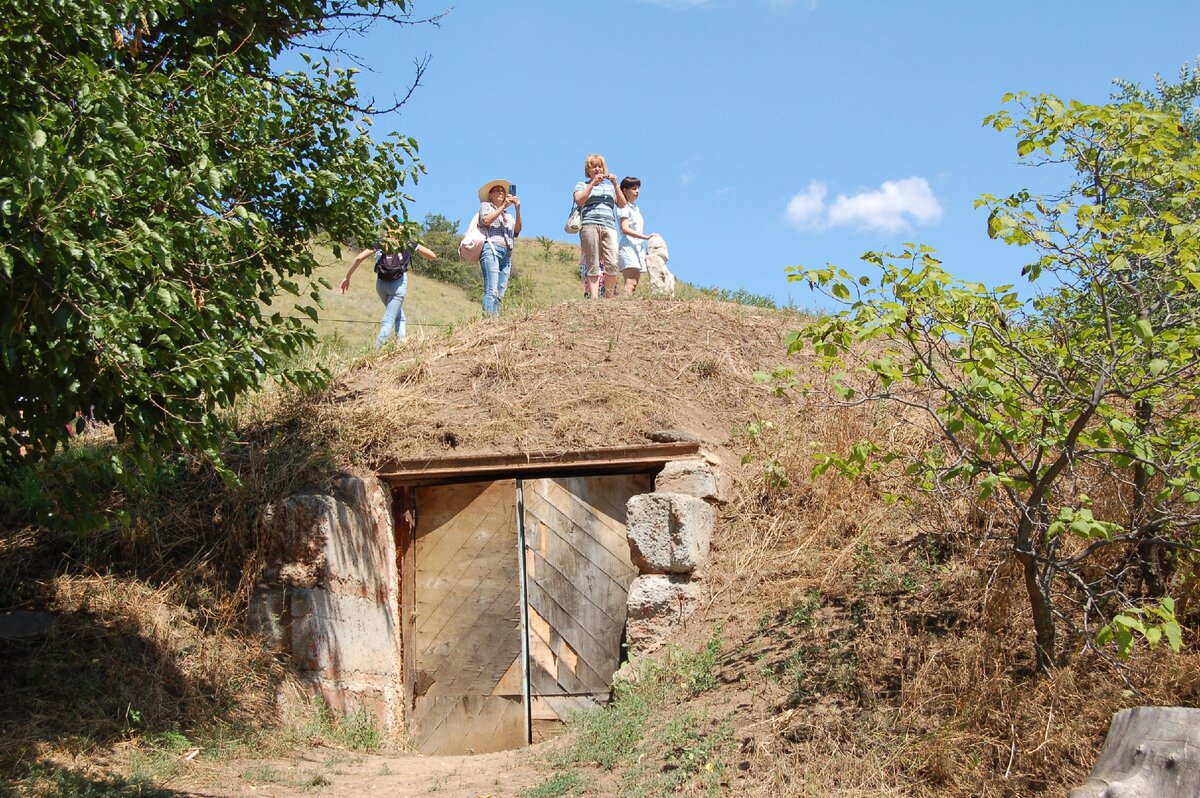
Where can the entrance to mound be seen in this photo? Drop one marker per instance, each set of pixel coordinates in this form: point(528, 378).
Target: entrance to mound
point(513, 594)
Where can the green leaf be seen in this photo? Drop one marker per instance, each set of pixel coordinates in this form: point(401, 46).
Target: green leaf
point(1174, 635)
point(1143, 330)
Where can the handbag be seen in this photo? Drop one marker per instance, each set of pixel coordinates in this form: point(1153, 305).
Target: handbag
point(574, 219)
point(471, 245)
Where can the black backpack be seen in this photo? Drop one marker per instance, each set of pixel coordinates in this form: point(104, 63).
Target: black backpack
point(391, 265)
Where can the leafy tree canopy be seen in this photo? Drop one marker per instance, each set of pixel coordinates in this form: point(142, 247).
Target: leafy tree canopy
point(1073, 414)
point(160, 181)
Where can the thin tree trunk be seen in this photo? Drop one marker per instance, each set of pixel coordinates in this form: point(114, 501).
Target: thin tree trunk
point(1039, 600)
point(1149, 555)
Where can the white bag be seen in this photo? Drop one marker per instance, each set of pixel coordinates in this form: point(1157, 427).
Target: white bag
point(471, 246)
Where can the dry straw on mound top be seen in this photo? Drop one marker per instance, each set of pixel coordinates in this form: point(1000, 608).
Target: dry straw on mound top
point(576, 376)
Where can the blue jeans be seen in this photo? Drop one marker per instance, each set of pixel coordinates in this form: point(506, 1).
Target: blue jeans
point(495, 263)
point(391, 294)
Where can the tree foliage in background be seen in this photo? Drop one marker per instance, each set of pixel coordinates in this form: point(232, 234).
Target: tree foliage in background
point(1072, 415)
point(441, 235)
point(160, 181)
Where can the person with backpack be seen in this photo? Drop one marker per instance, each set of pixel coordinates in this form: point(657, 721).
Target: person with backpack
point(500, 231)
point(391, 269)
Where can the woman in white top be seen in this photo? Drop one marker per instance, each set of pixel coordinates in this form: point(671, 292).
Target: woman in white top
point(632, 252)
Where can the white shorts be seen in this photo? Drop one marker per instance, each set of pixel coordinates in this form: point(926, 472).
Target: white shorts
point(628, 258)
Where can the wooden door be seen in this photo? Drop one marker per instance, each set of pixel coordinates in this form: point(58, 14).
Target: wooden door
point(579, 571)
point(467, 681)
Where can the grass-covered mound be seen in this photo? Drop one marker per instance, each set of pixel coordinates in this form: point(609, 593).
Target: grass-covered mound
point(850, 646)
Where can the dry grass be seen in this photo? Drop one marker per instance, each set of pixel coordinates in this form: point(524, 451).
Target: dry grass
point(577, 375)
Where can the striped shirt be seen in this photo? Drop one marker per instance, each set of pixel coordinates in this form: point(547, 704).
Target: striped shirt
point(598, 209)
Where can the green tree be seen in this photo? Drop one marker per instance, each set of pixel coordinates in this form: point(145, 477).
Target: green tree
point(1090, 388)
point(441, 235)
point(160, 182)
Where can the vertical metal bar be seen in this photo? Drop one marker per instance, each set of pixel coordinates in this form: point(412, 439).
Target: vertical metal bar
point(525, 689)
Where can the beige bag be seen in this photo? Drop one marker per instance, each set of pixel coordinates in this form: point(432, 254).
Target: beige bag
point(574, 219)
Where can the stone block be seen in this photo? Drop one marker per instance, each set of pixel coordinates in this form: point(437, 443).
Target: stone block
point(694, 477)
point(669, 533)
point(658, 605)
point(335, 634)
point(343, 543)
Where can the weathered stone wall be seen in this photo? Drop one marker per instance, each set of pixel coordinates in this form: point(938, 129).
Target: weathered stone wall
point(329, 597)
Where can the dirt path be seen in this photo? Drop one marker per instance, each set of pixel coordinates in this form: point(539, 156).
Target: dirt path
point(329, 772)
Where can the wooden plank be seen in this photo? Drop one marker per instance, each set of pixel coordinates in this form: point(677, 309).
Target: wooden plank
point(488, 602)
point(593, 652)
point(551, 713)
point(563, 516)
point(549, 674)
point(550, 521)
point(579, 588)
point(454, 588)
point(483, 652)
point(561, 707)
point(471, 725)
point(510, 682)
point(466, 630)
point(488, 588)
point(542, 730)
point(625, 460)
point(571, 513)
point(581, 571)
point(446, 514)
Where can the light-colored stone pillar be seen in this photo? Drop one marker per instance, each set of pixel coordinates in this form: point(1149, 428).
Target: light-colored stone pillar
point(669, 536)
point(330, 595)
point(658, 606)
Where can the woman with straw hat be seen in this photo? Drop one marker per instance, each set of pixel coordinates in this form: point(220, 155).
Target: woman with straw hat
point(500, 231)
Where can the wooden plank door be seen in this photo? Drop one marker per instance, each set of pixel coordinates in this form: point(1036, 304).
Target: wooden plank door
point(579, 571)
point(467, 680)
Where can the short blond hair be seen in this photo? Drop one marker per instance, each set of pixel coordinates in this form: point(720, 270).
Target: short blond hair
point(590, 161)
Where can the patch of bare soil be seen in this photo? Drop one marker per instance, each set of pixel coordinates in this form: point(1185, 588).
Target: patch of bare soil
point(318, 771)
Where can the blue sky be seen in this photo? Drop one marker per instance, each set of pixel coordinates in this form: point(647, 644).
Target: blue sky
point(767, 133)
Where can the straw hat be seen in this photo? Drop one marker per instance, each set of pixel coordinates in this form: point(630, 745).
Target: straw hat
point(487, 187)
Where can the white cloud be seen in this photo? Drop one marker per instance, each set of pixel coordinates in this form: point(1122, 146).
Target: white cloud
point(807, 209)
point(889, 208)
point(896, 205)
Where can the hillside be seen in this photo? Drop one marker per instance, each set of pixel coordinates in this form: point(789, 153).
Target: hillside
point(544, 273)
point(849, 646)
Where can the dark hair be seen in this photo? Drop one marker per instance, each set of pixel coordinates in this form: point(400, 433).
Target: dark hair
point(630, 182)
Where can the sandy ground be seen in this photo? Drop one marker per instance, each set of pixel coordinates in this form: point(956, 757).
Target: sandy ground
point(324, 771)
